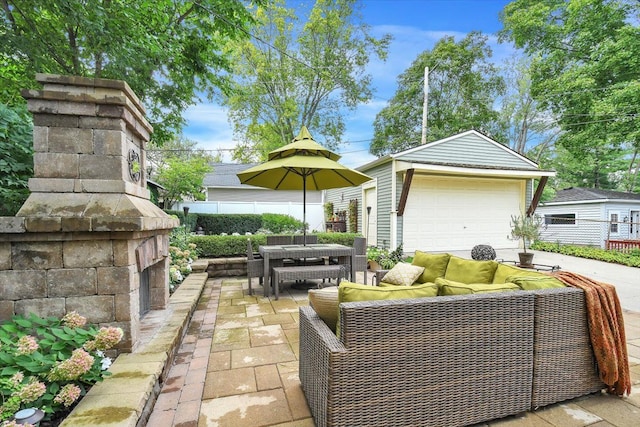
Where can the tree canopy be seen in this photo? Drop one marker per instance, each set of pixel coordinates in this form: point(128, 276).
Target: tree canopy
point(586, 73)
point(293, 74)
point(463, 85)
point(16, 158)
point(182, 179)
point(168, 51)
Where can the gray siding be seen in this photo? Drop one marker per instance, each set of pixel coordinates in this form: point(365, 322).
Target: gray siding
point(384, 207)
point(261, 195)
point(467, 150)
point(588, 230)
point(592, 223)
point(340, 197)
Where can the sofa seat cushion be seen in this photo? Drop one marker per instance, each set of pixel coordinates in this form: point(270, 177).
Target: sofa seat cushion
point(325, 302)
point(403, 274)
point(352, 292)
point(435, 265)
point(451, 287)
point(470, 271)
point(505, 270)
point(530, 283)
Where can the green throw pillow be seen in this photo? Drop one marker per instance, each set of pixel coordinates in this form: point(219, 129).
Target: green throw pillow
point(530, 283)
point(505, 270)
point(470, 271)
point(435, 265)
point(450, 287)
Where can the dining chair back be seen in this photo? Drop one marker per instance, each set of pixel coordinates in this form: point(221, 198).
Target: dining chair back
point(279, 239)
point(360, 257)
point(255, 266)
point(299, 239)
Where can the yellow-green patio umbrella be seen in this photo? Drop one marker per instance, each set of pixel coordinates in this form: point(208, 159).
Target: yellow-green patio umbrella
point(305, 145)
point(302, 165)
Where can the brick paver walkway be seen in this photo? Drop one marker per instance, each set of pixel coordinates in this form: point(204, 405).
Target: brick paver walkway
point(242, 373)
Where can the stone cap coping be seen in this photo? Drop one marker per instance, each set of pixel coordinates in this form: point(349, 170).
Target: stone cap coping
point(76, 212)
point(127, 396)
point(74, 89)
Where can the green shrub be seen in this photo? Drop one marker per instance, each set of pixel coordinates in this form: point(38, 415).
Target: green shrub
point(50, 363)
point(281, 224)
point(192, 218)
point(228, 246)
point(631, 259)
point(229, 223)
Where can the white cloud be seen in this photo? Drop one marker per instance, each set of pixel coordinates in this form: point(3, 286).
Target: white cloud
point(207, 124)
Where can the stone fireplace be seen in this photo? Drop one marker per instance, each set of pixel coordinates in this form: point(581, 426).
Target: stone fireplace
point(88, 235)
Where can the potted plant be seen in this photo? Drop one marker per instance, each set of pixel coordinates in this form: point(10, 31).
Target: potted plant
point(383, 259)
point(527, 229)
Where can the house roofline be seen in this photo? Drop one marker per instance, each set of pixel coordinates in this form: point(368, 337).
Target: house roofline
point(591, 202)
point(448, 169)
point(394, 156)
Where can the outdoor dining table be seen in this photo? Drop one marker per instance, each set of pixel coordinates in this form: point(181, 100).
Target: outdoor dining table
point(271, 253)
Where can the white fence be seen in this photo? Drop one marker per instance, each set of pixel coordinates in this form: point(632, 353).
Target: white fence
point(315, 212)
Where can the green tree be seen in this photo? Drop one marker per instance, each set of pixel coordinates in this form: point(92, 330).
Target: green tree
point(463, 85)
point(586, 72)
point(291, 75)
point(177, 148)
point(530, 130)
point(16, 158)
point(168, 51)
point(182, 179)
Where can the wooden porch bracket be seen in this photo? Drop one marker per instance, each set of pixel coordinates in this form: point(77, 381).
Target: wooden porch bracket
point(405, 191)
point(536, 197)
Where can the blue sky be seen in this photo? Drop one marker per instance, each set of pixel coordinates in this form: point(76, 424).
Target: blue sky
point(416, 25)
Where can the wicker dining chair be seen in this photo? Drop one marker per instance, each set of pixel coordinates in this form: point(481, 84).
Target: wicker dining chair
point(360, 257)
point(309, 239)
point(255, 267)
point(279, 240)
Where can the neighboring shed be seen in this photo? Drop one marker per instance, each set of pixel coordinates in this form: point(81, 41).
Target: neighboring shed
point(450, 194)
point(225, 194)
point(591, 216)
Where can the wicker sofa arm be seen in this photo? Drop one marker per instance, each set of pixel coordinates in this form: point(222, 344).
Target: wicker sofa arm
point(377, 276)
point(317, 344)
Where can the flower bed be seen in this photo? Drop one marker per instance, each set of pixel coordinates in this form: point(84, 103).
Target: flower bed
point(51, 363)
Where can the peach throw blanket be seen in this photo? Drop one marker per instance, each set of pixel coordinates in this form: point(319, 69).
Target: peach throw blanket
point(606, 330)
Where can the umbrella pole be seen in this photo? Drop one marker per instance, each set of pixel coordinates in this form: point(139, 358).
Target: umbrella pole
point(304, 210)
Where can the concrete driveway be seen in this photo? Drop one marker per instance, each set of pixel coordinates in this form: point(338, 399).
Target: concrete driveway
point(625, 279)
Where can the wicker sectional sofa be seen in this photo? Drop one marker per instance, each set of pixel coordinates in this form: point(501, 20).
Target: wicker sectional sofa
point(446, 360)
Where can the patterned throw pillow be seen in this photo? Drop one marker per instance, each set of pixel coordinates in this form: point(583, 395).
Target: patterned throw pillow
point(403, 274)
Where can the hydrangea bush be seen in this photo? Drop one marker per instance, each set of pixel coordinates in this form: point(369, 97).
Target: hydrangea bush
point(182, 254)
point(50, 363)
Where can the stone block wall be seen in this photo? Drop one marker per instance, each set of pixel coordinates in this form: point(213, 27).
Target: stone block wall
point(97, 277)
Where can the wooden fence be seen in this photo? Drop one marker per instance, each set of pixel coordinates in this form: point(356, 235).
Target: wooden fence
point(625, 246)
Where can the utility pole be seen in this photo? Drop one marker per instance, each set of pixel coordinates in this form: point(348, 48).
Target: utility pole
point(425, 106)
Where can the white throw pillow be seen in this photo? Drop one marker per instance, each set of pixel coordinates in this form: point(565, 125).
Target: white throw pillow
point(403, 274)
point(325, 302)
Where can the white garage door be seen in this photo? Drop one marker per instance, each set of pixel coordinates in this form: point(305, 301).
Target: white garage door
point(447, 214)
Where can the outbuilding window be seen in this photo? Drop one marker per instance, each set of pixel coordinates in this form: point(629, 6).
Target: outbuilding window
point(614, 217)
point(560, 219)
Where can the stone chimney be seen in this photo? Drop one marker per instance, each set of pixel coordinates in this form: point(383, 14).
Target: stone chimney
point(88, 238)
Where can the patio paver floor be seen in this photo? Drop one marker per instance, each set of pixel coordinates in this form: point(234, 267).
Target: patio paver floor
point(246, 370)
